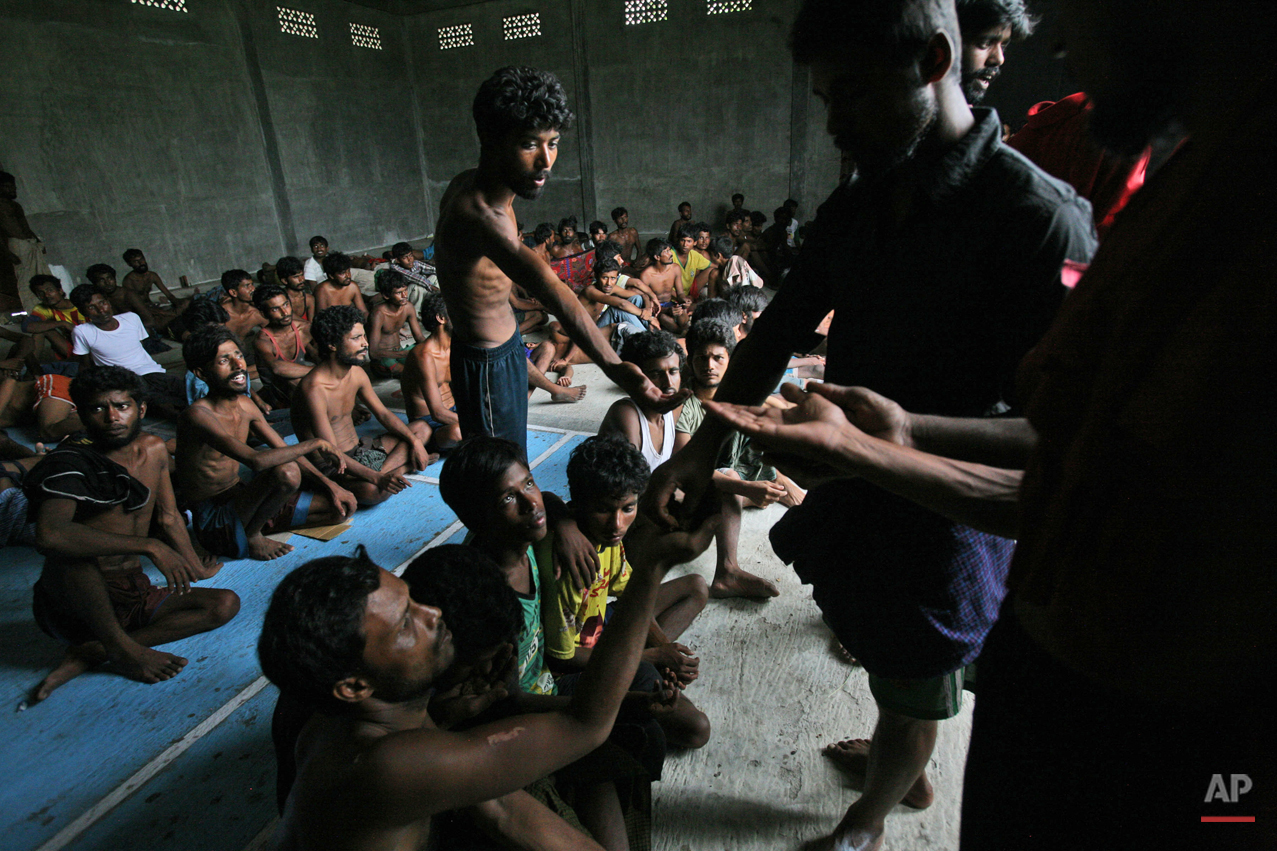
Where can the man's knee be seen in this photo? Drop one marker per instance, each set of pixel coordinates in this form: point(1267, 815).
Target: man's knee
point(287, 476)
point(223, 605)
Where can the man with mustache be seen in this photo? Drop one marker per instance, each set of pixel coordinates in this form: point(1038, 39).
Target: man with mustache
point(231, 517)
point(988, 26)
point(325, 398)
point(519, 113)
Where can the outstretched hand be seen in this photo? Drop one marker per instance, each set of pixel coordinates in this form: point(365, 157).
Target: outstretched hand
point(814, 428)
point(871, 412)
point(640, 388)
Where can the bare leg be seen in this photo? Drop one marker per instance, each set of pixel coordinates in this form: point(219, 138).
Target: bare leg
point(794, 495)
point(258, 503)
point(852, 758)
point(55, 419)
point(445, 438)
point(537, 379)
point(199, 610)
point(729, 579)
point(543, 355)
point(678, 602)
point(686, 726)
point(599, 809)
point(532, 319)
point(896, 759)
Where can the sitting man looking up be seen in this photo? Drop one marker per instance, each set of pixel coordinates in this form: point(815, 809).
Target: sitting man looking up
point(427, 378)
point(372, 766)
point(111, 340)
point(338, 287)
point(231, 517)
point(284, 348)
point(386, 346)
point(606, 476)
point(244, 318)
point(740, 476)
point(625, 236)
point(325, 398)
point(292, 277)
point(98, 506)
point(664, 277)
point(615, 310)
point(142, 280)
point(650, 430)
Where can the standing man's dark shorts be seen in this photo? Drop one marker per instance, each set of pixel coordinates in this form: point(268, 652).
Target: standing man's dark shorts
point(490, 387)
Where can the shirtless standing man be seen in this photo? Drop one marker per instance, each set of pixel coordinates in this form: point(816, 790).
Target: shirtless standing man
point(232, 517)
point(238, 301)
point(385, 323)
point(92, 593)
point(518, 113)
point(284, 348)
point(325, 398)
point(338, 287)
point(625, 236)
point(664, 277)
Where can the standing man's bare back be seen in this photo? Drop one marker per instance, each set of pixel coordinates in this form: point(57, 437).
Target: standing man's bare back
point(480, 257)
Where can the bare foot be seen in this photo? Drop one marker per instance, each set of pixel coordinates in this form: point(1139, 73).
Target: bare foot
point(843, 654)
point(793, 494)
point(76, 661)
point(738, 583)
point(209, 565)
point(147, 665)
point(842, 839)
point(264, 549)
point(852, 758)
point(572, 394)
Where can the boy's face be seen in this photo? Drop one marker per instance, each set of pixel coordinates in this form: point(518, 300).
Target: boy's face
point(397, 297)
point(518, 512)
point(607, 281)
point(405, 261)
point(606, 519)
point(709, 363)
point(50, 294)
point(685, 244)
point(702, 240)
point(664, 373)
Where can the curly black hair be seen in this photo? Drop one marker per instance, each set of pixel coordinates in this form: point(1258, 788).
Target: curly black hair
point(201, 346)
point(205, 311)
point(232, 278)
point(719, 309)
point(286, 267)
point(83, 294)
point(479, 606)
point(655, 246)
point(602, 267)
point(263, 294)
point(618, 212)
point(471, 473)
point(520, 99)
point(707, 332)
point(902, 28)
point(977, 16)
point(313, 633)
point(543, 231)
point(606, 466)
point(432, 307)
point(389, 281)
point(97, 271)
point(651, 345)
point(332, 324)
point(336, 263)
point(92, 381)
point(746, 298)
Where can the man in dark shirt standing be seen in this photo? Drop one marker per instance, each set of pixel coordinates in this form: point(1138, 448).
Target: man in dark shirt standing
point(942, 262)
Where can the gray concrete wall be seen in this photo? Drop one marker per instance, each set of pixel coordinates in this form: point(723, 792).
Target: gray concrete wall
point(209, 139)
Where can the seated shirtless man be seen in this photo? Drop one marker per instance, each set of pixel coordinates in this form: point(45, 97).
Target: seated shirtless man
point(124, 300)
point(372, 766)
point(231, 517)
point(385, 344)
point(142, 280)
point(427, 378)
point(338, 288)
point(284, 348)
point(625, 236)
point(52, 319)
point(47, 399)
point(99, 505)
point(325, 398)
point(664, 277)
point(238, 301)
point(291, 275)
point(615, 310)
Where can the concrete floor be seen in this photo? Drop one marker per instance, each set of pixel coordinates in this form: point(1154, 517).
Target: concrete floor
point(775, 694)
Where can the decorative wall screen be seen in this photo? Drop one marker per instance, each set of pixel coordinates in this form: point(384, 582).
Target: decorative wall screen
point(723, 7)
point(522, 26)
point(171, 5)
point(646, 11)
point(362, 35)
point(461, 35)
point(297, 22)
